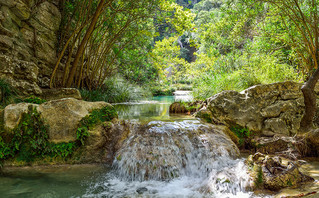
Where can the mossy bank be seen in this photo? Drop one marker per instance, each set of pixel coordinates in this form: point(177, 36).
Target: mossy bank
point(65, 131)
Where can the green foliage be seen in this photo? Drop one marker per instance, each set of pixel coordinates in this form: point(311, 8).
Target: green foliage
point(29, 140)
point(241, 133)
point(34, 100)
point(162, 90)
point(30, 137)
point(8, 93)
point(250, 70)
point(259, 179)
point(63, 149)
point(97, 116)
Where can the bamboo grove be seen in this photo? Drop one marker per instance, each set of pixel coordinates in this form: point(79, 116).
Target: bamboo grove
point(94, 32)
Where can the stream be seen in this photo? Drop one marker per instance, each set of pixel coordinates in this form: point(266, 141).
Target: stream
point(174, 156)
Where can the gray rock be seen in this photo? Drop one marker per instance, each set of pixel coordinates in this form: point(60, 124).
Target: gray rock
point(63, 116)
point(141, 190)
point(21, 74)
point(13, 114)
point(30, 40)
point(276, 108)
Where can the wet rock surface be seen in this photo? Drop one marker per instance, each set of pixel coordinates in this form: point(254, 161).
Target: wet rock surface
point(288, 147)
point(270, 172)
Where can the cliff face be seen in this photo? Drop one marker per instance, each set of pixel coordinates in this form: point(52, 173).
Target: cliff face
point(28, 42)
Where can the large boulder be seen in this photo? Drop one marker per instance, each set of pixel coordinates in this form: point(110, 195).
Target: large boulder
point(62, 116)
point(273, 108)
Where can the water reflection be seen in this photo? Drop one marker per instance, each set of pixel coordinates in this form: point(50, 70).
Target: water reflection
point(155, 109)
point(48, 182)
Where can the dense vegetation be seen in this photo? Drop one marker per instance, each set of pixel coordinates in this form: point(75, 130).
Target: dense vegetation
point(123, 50)
point(215, 44)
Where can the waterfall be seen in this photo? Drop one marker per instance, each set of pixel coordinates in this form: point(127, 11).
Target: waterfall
point(176, 159)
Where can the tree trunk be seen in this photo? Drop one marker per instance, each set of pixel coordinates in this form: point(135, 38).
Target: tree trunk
point(310, 102)
point(81, 48)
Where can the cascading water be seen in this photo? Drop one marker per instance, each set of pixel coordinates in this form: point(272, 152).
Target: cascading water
point(175, 159)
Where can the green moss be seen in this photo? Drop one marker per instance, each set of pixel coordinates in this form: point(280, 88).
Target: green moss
point(33, 100)
point(97, 116)
point(241, 133)
point(259, 179)
point(289, 183)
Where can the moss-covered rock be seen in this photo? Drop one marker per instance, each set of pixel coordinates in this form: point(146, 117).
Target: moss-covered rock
point(177, 107)
point(182, 107)
point(62, 116)
point(29, 141)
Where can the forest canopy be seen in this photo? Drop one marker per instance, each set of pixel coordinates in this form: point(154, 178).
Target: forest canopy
point(202, 45)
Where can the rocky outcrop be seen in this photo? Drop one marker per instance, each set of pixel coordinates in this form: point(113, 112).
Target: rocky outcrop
point(103, 142)
point(28, 42)
point(273, 174)
point(270, 109)
point(61, 116)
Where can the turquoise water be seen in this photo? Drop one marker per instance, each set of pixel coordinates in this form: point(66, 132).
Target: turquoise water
point(155, 109)
point(49, 182)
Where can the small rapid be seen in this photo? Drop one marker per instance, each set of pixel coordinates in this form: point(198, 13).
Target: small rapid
point(175, 159)
point(167, 156)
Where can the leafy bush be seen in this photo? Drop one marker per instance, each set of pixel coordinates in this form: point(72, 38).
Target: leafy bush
point(162, 90)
